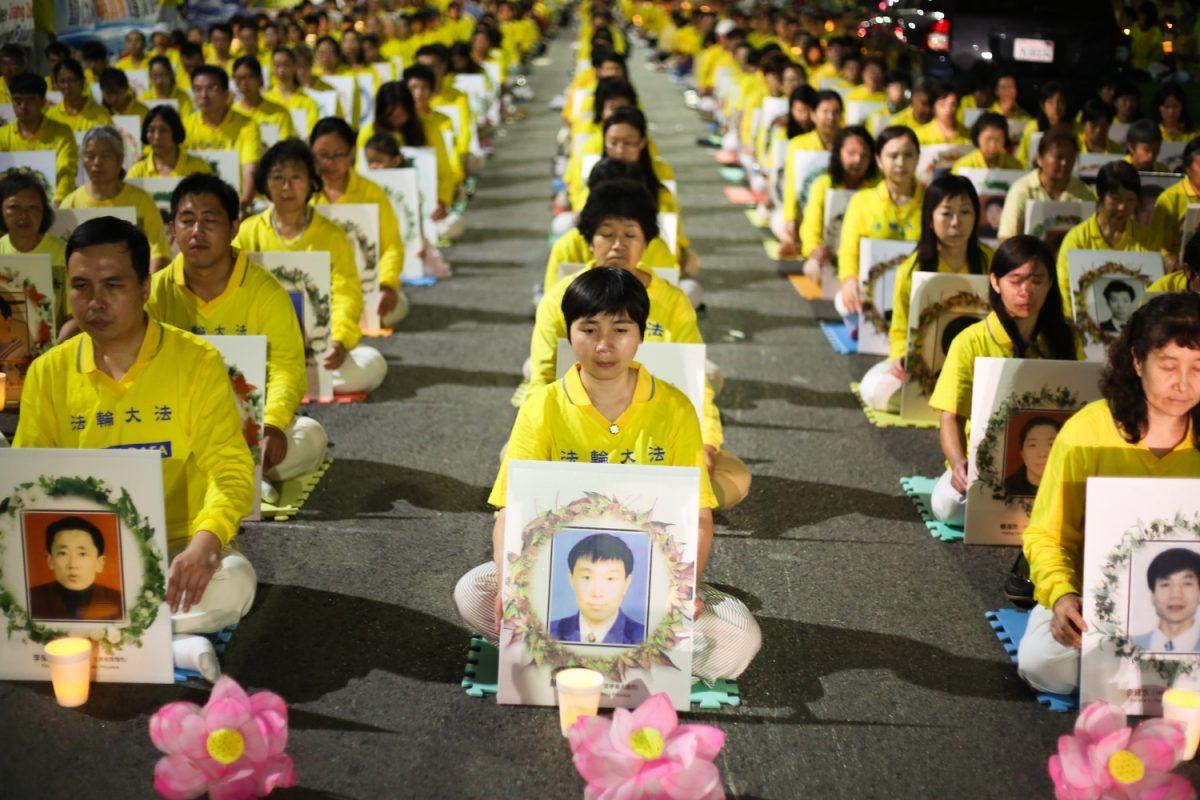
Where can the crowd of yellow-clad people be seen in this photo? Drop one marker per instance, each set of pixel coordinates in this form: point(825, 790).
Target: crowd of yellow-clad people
point(621, 270)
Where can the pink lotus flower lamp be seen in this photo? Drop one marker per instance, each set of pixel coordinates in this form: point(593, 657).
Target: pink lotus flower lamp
point(232, 748)
point(646, 754)
point(1104, 758)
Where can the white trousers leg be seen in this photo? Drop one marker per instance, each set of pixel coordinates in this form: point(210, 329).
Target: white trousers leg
point(713, 373)
point(362, 371)
point(880, 389)
point(1044, 663)
point(726, 635)
point(947, 503)
point(849, 317)
point(226, 599)
point(399, 312)
point(692, 289)
point(307, 441)
point(450, 226)
point(562, 223)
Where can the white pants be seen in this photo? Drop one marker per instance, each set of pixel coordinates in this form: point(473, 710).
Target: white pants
point(226, 599)
point(450, 226)
point(692, 290)
point(362, 371)
point(880, 389)
point(1045, 664)
point(562, 223)
point(307, 441)
point(849, 317)
point(715, 378)
point(399, 312)
point(725, 635)
point(947, 503)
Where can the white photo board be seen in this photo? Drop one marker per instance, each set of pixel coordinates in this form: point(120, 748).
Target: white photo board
point(360, 221)
point(246, 359)
point(877, 263)
point(28, 295)
point(306, 278)
point(400, 185)
point(1107, 286)
point(68, 219)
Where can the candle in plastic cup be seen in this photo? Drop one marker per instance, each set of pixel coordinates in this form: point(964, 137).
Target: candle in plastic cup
point(1184, 706)
point(70, 670)
point(578, 695)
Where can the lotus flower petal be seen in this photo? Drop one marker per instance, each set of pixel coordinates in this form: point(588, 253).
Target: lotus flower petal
point(226, 688)
point(276, 772)
point(237, 784)
point(700, 781)
point(166, 725)
point(177, 778)
point(227, 713)
point(1099, 720)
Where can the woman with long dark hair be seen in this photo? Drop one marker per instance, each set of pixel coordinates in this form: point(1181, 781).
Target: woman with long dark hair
point(1147, 425)
point(1170, 111)
point(1026, 321)
point(949, 242)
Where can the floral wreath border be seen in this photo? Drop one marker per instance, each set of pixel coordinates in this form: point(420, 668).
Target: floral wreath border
point(1060, 399)
point(1083, 317)
point(1106, 605)
point(869, 312)
point(320, 303)
point(547, 650)
point(143, 613)
point(248, 397)
point(916, 368)
point(370, 249)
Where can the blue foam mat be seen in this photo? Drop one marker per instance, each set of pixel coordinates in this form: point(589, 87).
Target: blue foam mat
point(1009, 625)
point(839, 338)
point(425, 280)
point(919, 489)
point(220, 641)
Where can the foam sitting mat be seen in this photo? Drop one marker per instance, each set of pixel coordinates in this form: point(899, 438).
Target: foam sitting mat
point(339, 397)
point(771, 247)
point(481, 675)
point(919, 489)
point(886, 419)
point(805, 287)
point(740, 196)
point(735, 175)
point(757, 218)
point(838, 336)
point(1009, 626)
point(377, 333)
point(220, 641)
point(294, 493)
point(726, 158)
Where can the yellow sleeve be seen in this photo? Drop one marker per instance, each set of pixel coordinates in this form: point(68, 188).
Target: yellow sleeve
point(711, 431)
point(577, 189)
point(391, 246)
point(812, 224)
point(1166, 224)
point(1053, 541)
point(956, 382)
point(854, 227)
point(901, 297)
point(249, 144)
point(347, 305)
point(1012, 215)
point(789, 184)
point(556, 257)
point(152, 223)
point(67, 163)
point(36, 424)
point(447, 175)
point(529, 440)
point(543, 344)
point(220, 451)
point(287, 129)
point(1063, 271)
point(286, 378)
point(1026, 140)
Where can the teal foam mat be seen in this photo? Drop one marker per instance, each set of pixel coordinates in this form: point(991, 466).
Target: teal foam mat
point(1009, 625)
point(918, 489)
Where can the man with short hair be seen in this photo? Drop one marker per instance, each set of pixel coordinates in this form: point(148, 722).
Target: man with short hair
point(601, 570)
point(1121, 300)
point(216, 125)
point(131, 382)
point(118, 96)
point(1174, 580)
point(212, 288)
point(32, 130)
point(75, 554)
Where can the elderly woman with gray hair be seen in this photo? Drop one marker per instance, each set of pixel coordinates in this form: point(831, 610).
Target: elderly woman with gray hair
point(102, 155)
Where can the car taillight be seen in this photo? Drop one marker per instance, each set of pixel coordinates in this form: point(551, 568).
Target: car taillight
point(938, 38)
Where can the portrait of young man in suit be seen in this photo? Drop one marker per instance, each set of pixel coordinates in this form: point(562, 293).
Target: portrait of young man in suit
point(601, 570)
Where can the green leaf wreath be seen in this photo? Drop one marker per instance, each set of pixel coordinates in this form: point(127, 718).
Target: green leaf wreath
point(1083, 318)
point(366, 245)
point(916, 368)
point(1050, 399)
point(154, 585)
point(1111, 592)
point(41, 328)
point(518, 609)
point(870, 313)
point(299, 279)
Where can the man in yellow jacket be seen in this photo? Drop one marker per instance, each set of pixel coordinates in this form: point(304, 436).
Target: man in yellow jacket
point(33, 130)
point(132, 382)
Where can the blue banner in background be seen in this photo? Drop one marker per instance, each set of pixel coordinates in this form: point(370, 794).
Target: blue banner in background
point(77, 21)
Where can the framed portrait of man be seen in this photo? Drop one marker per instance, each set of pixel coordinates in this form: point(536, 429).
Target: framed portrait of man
point(1018, 406)
point(83, 549)
point(1107, 286)
point(599, 573)
point(992, 186)
point(1141, 591)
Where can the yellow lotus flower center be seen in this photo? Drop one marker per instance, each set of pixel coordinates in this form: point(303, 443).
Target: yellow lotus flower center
point(225, 745)
point(1125, 767)
point(647, 743)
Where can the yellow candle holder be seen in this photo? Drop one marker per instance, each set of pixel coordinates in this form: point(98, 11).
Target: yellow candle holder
point(578, 695)
point(1183, 706)
point(70, 670)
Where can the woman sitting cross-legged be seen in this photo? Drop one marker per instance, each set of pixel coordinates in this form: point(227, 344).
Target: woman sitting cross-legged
point(949, 243)
point(1146, 426)
point(607, 405)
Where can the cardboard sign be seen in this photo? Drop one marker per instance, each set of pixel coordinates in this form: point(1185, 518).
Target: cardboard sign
point(877, 263)
point(1107, 286)
point(400, 185)
point(28, 296)
point(246, 359)
point(360, 221)
point(306, 278)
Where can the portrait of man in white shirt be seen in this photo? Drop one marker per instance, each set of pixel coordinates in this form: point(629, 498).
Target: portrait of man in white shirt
point(1174, 581)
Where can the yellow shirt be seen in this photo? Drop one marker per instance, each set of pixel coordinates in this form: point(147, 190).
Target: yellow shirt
point(56, 248)
point(236, 132)
point(391, 246)
point(904, 118)
point(974, 160)
point(187, 164)
point(176, 400)
point(450, 96)
point(810, 142)
point(572, 248)
point(134, 108)
point(872, 215)
point(446, 180)
point(558, 422)
point(127, 62)
point(252, 304)
point(902, 297)
point(54, 136)
point(671, 319)
point(1170, 209)
point(92, 115)
point(1086, 236)
point(985, 339)
point(931, 133)
point(1089, 445)
point(1176, 281)
point(812, 224)
point(148, 216)
point(1181, 136)
point(179, 96)
point(297, 101)
point(270, 113)
point(1029, 187)
point(257, 235)
point(862, 94)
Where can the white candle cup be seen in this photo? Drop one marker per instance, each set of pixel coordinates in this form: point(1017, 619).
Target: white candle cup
point(578, 695)
point(70, 670)
point(1184, 706)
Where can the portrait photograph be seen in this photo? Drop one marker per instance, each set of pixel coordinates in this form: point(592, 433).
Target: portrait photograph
point(599, 587)
point(991, 207)
point(1115, 299)
point(948, 327)
point(14, 328)
point(73, 565)
point(1164, 598)
point(1030, 435)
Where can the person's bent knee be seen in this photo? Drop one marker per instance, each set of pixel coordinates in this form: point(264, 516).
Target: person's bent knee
point(880, 389)
point(1054, 673)
point(730, 480)
point(947, 503)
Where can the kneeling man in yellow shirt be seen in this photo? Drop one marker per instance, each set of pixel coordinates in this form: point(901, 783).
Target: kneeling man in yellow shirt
point(131, 382)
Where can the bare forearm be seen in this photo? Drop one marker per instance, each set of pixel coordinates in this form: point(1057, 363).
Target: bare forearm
point(953, 438)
